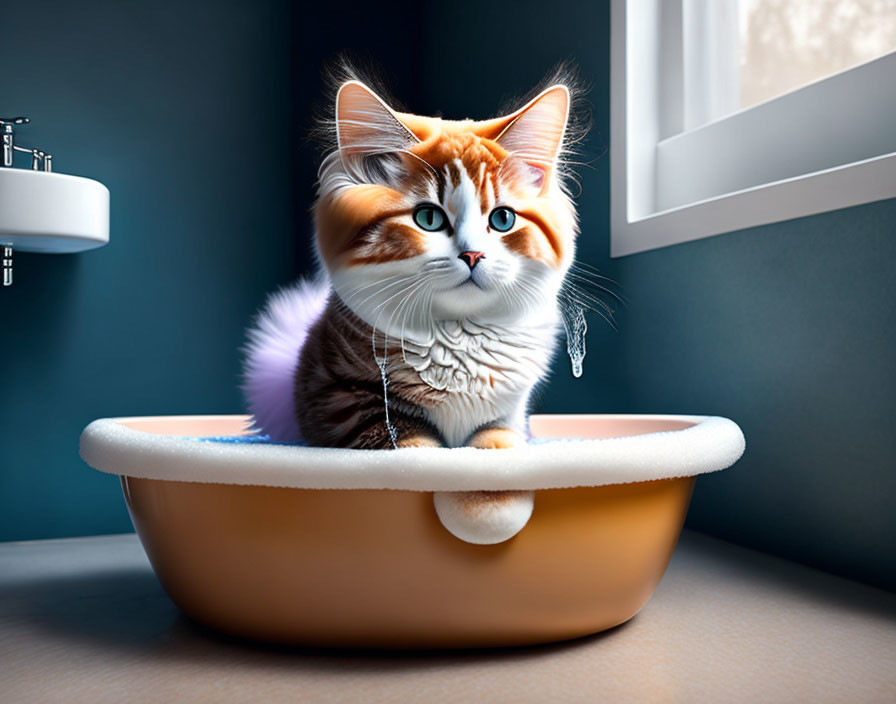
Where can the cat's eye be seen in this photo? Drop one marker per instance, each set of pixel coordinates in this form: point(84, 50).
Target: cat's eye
point(430, 218)
point(502, 219)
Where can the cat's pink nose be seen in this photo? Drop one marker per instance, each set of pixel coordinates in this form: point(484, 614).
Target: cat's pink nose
point(471, 258)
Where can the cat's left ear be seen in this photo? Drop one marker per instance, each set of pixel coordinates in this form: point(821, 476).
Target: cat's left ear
point(365, 125)
point(534, 133)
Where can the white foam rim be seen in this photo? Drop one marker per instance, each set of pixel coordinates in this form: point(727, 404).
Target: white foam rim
point(710, 444)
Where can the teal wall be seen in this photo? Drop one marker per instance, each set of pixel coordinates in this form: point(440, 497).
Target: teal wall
point(789, 329)
point(150, 100)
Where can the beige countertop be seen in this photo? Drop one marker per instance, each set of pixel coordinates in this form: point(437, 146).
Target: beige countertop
point(84, 620)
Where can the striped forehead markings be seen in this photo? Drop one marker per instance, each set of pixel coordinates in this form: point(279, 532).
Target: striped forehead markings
point(462, 201)
point(484, 182)
point(453, 156)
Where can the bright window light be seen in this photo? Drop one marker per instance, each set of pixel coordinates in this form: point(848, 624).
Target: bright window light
point(787, 44)
point(726, 114)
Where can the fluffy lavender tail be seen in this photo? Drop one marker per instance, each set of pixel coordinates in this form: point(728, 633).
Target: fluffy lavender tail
point(272, 354)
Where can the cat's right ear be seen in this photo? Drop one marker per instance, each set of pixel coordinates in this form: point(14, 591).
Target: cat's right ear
point(366, 126)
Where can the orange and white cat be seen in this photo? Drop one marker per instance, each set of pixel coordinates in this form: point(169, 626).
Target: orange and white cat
point(444, 245)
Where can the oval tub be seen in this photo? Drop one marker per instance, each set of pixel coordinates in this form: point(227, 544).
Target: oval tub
point(333, 547)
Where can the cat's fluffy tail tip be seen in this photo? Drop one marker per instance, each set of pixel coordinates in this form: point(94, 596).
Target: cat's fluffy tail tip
point(272, 353)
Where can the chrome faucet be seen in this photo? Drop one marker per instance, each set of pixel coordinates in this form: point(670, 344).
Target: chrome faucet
point(38, 157)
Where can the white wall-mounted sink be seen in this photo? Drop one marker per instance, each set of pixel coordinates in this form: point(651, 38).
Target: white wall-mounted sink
point(42, 211)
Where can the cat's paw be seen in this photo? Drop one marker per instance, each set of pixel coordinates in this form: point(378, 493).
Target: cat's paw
point(419, 440)
point(496, 439)
point(486, 517)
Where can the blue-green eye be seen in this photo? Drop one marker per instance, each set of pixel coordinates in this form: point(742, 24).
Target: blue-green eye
point(502, 219)
point(430, 218)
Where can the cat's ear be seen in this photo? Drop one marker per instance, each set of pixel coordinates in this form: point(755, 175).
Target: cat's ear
point(365, 125)
point(534, 134)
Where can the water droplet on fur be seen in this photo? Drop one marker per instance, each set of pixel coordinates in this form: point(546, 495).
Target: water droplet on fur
point(576, 327)
point(381, 363)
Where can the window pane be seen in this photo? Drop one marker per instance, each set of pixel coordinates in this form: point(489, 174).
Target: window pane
point(785, 44)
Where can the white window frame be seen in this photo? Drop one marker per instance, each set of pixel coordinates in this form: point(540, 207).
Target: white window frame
point(828, 145)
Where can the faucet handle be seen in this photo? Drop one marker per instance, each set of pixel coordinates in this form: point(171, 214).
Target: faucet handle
point(8, 145)
point(14, 120)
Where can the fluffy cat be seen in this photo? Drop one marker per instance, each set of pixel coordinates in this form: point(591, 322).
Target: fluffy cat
point(444, 246)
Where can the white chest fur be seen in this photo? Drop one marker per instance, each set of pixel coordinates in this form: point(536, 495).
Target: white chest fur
point(486, 372)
